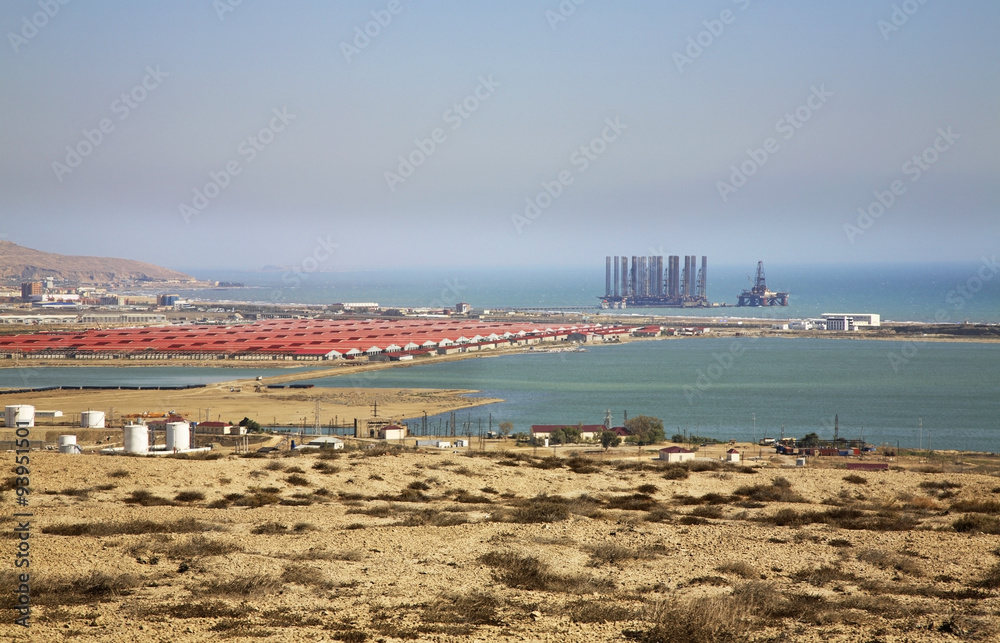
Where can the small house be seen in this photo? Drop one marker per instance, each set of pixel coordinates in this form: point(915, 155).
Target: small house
point(732, 455)
point(676, 454)
point(392, 432)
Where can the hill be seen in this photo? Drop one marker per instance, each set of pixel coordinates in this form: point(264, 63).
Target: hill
point(18, 263)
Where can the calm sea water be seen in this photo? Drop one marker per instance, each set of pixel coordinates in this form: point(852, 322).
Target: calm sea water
point(945, 395)
point(900, 292)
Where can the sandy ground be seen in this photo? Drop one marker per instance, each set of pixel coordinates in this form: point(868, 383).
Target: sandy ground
point(419, 546)
point(219, 402)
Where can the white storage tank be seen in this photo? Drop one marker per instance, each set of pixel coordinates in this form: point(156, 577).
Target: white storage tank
point(92, 420)
point(178, 436)
point(136, 439)
point(17, 415)
point(67, 444)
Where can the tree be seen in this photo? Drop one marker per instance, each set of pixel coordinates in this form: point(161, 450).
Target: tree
point(810, 440)
point(251, 425)
point(506, 428)
point(610, 439)
point(645, 429)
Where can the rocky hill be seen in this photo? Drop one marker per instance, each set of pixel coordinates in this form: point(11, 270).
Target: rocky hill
point(18, 263)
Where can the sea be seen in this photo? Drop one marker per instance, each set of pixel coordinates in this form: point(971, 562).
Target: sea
point(940, 395)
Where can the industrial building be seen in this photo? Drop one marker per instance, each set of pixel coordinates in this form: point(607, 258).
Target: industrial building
point(646, 283)
point(295, 339)
point(851, 321)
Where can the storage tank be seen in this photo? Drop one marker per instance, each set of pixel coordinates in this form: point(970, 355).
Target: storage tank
point(178, 436)
point(67, 444)
point(136, 439)
point(92, 420)
point(20, 415)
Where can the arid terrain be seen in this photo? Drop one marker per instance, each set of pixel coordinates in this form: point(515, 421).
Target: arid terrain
point(505, 544)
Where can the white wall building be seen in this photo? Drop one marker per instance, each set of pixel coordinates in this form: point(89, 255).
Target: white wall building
point(851, 321)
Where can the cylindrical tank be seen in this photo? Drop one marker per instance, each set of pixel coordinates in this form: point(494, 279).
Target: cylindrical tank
point(136, 439)
point(178, 436)
point(67, 444)
point(17, 415)
point(92, 419)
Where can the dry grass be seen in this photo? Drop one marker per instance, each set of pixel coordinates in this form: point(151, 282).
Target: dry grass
point(128, 527)
point(249, 585)
point(530, 573)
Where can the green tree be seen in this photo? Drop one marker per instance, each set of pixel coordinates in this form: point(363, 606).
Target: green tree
point(645, 429)
point(810, 440)
point(610, 439)
point(506, 428)
point(251, 425)
point(558, 436)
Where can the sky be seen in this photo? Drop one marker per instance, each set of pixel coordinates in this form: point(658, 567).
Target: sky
point(408, 133)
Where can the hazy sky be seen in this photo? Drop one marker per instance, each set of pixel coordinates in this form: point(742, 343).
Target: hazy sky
point(413, 132)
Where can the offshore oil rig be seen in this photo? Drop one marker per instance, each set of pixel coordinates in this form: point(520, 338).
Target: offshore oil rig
point(759, 295)
point(646, 284)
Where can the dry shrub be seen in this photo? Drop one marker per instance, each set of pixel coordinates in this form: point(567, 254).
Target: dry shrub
point(820, 576)
point(147, 499)
point(325, 467)
point(660, 514)
point(297, 480)
point(128, 527)
point(613, 553)
point(275, 465)
point(633, 502)
point(780, 490)
point(475, 608)
point(189, 496)
point(590, 611)
point(739, 568)
point(840, 542)
point(708, 619)
point(432, 518)
point(119, 473)
point(977, 523)
point(675, 472)
point(95, 586)
point(269, 529)
point(547, 463)
point(530, 573)
point(855, 479)
point(253, 584)
point(648, 489)
point(976, 506)
point(540, 509)
point(886, 560)
point(207, 609)
point(991, 579)
point(707, 511)
point(305, 576)
point(199, 545)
